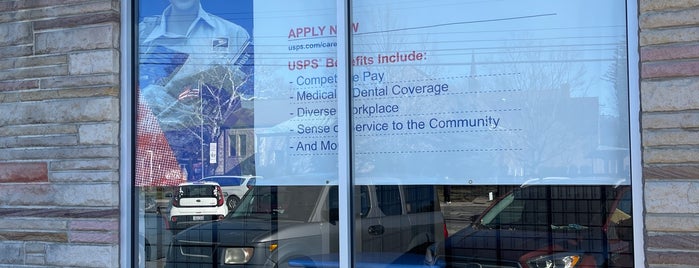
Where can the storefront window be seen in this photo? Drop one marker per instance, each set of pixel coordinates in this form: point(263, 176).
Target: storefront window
point(235, 160)
point(480, 134)
point(514, 114)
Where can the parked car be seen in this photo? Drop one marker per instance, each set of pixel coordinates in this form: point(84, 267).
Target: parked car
point(196, 202)
point(154, 231)
point(545, 226)
point(154, 238)
point(234, 187)
point(275, 224)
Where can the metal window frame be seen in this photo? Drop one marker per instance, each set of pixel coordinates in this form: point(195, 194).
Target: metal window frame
point(345, 181)
point(126, 134)
point(634, 89)
point(127, 235)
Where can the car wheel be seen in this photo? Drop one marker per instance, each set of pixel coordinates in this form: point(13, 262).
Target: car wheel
point(232, 201)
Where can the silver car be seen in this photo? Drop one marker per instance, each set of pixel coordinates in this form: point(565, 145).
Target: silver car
point(234, 187)
point(274, 225)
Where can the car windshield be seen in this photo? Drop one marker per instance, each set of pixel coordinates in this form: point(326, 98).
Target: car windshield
point(551, 208)
point(283, 202)
point(194, 191)
point(225, 181)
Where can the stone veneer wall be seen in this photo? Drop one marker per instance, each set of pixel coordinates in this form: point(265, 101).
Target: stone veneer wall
point(59, 122)
point(669, 40)
point(59, 133)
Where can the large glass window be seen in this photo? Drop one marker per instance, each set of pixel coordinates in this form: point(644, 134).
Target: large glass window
point(478, 134)
point(515, 113)
point(235, 146)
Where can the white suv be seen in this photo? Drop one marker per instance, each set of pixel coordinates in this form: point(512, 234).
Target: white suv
point(196, 202)
point(234, 187)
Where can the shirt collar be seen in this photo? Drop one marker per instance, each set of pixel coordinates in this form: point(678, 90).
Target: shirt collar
point(159, 30)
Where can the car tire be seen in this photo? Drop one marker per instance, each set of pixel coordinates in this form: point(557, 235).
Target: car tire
point(232, 201)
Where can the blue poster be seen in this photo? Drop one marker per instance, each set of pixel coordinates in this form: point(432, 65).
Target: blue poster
point(195, 79)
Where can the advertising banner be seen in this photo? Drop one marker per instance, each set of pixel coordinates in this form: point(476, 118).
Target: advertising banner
point(296, 92)
point(490, 92)
point(195, 82)
point(486, 92)
point(443, 92)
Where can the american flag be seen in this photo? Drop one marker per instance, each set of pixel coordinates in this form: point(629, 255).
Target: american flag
point(156, 163)
point(188, 92)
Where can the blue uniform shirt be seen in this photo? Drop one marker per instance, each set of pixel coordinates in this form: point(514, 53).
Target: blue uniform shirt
point(174, 66)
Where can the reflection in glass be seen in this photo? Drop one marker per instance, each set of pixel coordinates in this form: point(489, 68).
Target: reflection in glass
point(484, 133)
point(214, 114)
point(194, 83)
point(514, 112)
point(487, 93)
point(545, 226)
point(272, 226)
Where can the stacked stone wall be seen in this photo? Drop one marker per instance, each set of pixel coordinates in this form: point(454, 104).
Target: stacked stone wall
point(59, 125)
point(669, 40)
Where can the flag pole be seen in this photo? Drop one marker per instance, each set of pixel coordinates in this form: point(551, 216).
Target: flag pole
point(201, 128)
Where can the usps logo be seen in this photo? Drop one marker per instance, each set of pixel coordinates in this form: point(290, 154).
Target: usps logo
point(220, 44)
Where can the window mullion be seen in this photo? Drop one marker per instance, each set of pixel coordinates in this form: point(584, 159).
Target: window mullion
point(344, 135)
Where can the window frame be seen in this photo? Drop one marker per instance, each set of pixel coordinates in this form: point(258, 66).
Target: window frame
point(128, 202)
point(127, 237)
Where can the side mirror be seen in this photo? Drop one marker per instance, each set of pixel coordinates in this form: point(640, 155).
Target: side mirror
point(474, 218)
point(168, 195)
